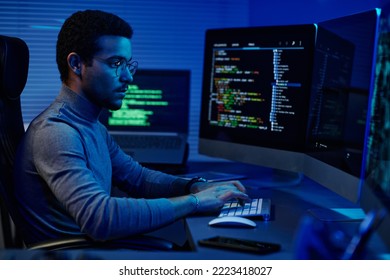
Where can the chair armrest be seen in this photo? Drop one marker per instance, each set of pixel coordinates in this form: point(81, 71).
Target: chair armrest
point(146, 243)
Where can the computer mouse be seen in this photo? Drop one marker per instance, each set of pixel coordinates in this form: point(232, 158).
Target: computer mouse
point(232, 221)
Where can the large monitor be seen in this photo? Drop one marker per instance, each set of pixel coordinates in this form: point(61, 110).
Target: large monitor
point(256, 93)
point(376, 188)
point(291, 98)
point(342, 83)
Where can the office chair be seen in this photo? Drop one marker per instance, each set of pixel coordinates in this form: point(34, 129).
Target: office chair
point(14, 62)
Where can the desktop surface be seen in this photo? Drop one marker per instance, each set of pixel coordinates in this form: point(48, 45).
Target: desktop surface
point(289, 205)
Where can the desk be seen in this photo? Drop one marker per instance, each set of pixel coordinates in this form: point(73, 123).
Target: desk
point(289, 204)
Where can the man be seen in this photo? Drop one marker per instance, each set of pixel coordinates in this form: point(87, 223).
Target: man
point(67, 162)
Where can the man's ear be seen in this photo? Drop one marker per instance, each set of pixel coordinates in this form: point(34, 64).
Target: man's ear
point(74, 63)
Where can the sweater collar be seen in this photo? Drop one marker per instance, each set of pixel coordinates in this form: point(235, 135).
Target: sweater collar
point(80, 105)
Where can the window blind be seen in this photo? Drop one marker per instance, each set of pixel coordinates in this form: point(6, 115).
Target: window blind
point(168, 34)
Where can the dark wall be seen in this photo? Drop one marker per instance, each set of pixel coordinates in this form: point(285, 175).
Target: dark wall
point(305, 11)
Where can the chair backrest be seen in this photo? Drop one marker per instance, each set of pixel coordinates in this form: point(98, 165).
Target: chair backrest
point(14, 62)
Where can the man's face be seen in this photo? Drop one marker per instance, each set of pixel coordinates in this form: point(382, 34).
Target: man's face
point(104, 83)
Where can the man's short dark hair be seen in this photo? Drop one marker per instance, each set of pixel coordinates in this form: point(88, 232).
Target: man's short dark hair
point(80, 32)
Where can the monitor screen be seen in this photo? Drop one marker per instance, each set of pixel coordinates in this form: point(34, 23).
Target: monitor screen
point(376, 188)
point(152, 124)
point(256, 93)
point(342, 82)
point(153, 102)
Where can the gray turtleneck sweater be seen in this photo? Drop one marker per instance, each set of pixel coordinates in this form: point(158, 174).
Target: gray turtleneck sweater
point(64, 172)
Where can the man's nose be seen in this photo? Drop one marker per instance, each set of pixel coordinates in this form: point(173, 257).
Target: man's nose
point(126, 75)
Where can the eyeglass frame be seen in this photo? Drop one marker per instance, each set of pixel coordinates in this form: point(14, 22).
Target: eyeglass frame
point(131, 66)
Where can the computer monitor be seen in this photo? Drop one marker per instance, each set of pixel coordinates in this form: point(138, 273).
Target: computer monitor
point(376, 188)
point(291, 98)
point(153, 123)
point(342, 82)
point(256, 93)
point(156, 101)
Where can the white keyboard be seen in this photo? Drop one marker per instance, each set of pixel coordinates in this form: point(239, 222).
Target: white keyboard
point(257, 207)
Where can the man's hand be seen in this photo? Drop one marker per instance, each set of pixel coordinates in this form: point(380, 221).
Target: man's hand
point(197, 187)
point(215, 195)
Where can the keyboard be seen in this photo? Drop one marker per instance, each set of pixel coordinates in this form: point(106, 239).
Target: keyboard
point(257, 207)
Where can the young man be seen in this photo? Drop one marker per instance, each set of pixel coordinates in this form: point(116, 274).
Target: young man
point(67, 162)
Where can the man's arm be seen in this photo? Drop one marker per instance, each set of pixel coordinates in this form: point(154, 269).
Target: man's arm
point(210, 199)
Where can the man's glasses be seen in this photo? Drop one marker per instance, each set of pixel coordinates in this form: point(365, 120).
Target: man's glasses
point(120, 64)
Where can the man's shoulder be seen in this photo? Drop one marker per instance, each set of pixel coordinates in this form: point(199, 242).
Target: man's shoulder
point(51, 116)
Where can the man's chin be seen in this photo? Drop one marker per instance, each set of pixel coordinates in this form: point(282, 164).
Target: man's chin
point(114, 106)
